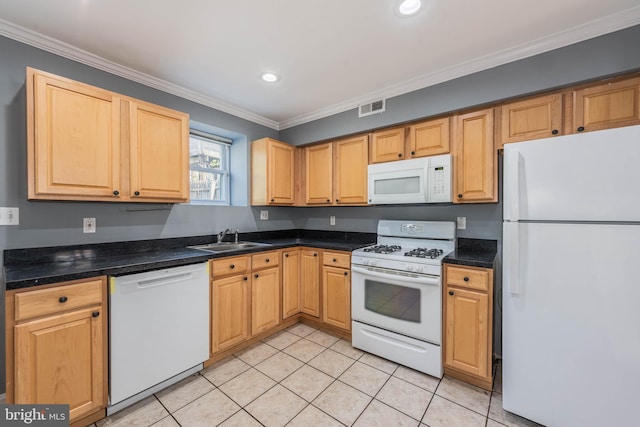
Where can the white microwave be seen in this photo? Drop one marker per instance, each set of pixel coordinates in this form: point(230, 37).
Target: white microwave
point(421, 180)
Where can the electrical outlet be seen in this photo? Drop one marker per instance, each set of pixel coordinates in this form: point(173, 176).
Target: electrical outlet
point(9, 216)
point(88, 225)
point(264, 215)
point(332, 220)
point(462, 223)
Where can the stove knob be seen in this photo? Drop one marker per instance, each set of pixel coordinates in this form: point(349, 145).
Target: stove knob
point(408, 267)
point(373, 263)
point(419, 269)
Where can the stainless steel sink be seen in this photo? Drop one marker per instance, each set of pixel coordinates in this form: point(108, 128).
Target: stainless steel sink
point(229, 246)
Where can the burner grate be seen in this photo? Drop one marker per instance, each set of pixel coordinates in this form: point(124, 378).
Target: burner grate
point(383, 249)
point(424, 253)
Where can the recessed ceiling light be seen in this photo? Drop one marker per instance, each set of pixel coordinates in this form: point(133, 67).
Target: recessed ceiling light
point(269, 77)
point(409, 7)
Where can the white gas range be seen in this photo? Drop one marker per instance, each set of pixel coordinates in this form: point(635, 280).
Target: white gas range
point(396, 293)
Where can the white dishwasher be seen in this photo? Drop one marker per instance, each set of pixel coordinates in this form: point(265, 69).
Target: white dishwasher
point(158, 331)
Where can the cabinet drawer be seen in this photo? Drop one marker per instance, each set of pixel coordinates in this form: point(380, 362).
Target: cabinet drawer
point(264, 259)
point(224, 266)
point(58, 299)
point(336, 259)
point(468, 278)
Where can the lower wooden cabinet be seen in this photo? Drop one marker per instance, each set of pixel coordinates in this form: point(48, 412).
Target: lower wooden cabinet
point(291, 284)
point(245, 298)
point(229, 311)
point(336, 290)
point(468, 324)
point(57, 346)
point(300, 282)
point(265, 300)
point(310, 281)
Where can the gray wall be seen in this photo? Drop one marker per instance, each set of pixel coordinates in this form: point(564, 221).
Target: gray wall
point(57, 223)
point(610, 54)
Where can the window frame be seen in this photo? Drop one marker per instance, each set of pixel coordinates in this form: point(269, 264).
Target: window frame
point(224, 171)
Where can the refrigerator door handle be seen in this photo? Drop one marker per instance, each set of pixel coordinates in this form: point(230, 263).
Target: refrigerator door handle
point(512, 257)
point(512, 161)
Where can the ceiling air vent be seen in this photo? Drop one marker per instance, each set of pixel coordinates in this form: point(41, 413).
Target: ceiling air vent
point(371, 108)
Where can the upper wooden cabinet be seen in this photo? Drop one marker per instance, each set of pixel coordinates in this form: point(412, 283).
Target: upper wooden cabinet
point(388, 145)
point(429, 138)
point(534, 118)
point(475, 168)
point(86, 143)
point(336, 172)
point(607, 106)
point(272, 173)
point(318, 174)
point(351, 157)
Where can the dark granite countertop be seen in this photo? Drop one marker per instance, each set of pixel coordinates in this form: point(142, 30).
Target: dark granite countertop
point(38, 266)
point(474, 253)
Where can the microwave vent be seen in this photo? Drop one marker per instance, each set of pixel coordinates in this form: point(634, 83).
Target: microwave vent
point(371, 108)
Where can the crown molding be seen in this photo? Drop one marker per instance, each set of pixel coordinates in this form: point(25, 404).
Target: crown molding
point(595, 28)
point(68, 51)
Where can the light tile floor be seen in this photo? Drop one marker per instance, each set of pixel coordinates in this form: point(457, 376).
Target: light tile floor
point(306, 377)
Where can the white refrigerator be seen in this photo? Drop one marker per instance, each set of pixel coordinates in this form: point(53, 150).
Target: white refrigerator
point(571, 279)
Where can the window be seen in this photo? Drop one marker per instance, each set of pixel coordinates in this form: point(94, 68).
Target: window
point(209, 168)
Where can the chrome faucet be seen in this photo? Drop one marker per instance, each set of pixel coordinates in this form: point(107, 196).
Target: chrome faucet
point(222, 234)
point(237, 233)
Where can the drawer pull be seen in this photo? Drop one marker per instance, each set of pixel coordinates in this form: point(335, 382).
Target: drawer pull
point(581, 129)
point(95, 314)
point(266, 260)
point(554, 132)
point(116, 193)
point(256, 276)
point(335, 260)
point(315, 254)
point(450, 292)
point(232, 266)
point(346, 273)
point(466, 279)
point(286, 255)
point(63, 299)
point(245, 278)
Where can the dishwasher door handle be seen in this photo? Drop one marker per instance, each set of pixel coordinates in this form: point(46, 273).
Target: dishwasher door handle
point(163, 280)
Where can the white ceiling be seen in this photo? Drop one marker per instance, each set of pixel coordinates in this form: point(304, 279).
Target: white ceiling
point(331, 54)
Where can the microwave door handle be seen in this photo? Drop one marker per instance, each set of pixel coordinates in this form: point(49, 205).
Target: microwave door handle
point(372, 272)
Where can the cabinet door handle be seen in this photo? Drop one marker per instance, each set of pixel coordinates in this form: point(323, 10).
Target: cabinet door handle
point(413, 153)
point(554, 132)
point(63, 299)
point(466, 279)
point(399, 154)
point(286, 255)
point(136, 193)
point(315, 254)
point(459, 196)
point(273, 200)
point(346, 273)
point(116, 193)
point(328, 200)
point(245, 278)
point(232, 266)
point(95, 314)
point(256, 276)
point(337, 200)
point(450, 292)
point(266, 260)
point(581, 129)
point(335, 260)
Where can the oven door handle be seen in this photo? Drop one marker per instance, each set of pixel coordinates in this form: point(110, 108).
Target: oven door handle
point(375, 272)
